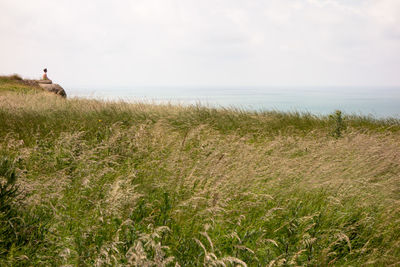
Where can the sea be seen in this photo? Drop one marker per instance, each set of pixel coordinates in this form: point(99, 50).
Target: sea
point(378, 102)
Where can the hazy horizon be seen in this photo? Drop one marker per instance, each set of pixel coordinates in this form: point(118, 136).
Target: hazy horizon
point(380, 102)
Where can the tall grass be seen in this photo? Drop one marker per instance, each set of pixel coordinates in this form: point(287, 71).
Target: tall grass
point(115, 184)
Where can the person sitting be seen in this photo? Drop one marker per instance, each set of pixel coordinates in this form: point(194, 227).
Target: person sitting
point(45, 75)
point(45, 79)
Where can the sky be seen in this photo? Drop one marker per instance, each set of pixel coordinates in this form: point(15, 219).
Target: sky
point(104, 43)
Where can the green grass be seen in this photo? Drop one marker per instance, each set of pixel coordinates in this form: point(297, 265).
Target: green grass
point(16, 84)
point(108, 184)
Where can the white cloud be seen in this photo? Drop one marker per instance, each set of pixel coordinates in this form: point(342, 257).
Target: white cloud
point(188, 42)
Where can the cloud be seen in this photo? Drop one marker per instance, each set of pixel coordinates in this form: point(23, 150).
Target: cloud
point(188, 42)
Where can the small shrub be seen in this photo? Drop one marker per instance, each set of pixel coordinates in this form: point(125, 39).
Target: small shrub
point(338, 124)
point(16, 77)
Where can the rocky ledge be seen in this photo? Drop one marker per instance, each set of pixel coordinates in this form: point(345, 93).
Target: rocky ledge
point(49, 86)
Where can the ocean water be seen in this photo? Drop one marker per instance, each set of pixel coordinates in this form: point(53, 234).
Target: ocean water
point(380, 102)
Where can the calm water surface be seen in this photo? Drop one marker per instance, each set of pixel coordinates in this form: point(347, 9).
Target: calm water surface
point(376, 101)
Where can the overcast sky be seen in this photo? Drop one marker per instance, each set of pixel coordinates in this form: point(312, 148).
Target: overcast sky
point(203, 42)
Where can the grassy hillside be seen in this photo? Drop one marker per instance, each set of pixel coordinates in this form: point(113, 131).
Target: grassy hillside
point(16, 84)
point(90, 183)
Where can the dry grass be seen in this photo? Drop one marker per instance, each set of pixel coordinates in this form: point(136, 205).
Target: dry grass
point(117, 184)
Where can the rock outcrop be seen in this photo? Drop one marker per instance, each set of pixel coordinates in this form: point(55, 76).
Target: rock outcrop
point(49, 86)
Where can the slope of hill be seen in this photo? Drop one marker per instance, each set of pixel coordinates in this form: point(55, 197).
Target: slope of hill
point(14, 83)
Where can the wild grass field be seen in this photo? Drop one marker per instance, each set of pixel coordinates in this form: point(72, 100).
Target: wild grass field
point(92, 183)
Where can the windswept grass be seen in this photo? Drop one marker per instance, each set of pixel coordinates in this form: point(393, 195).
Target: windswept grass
point(117, 184)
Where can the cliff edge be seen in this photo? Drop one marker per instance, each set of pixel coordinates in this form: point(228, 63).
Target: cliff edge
point(15, 83)
point(51, 87)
